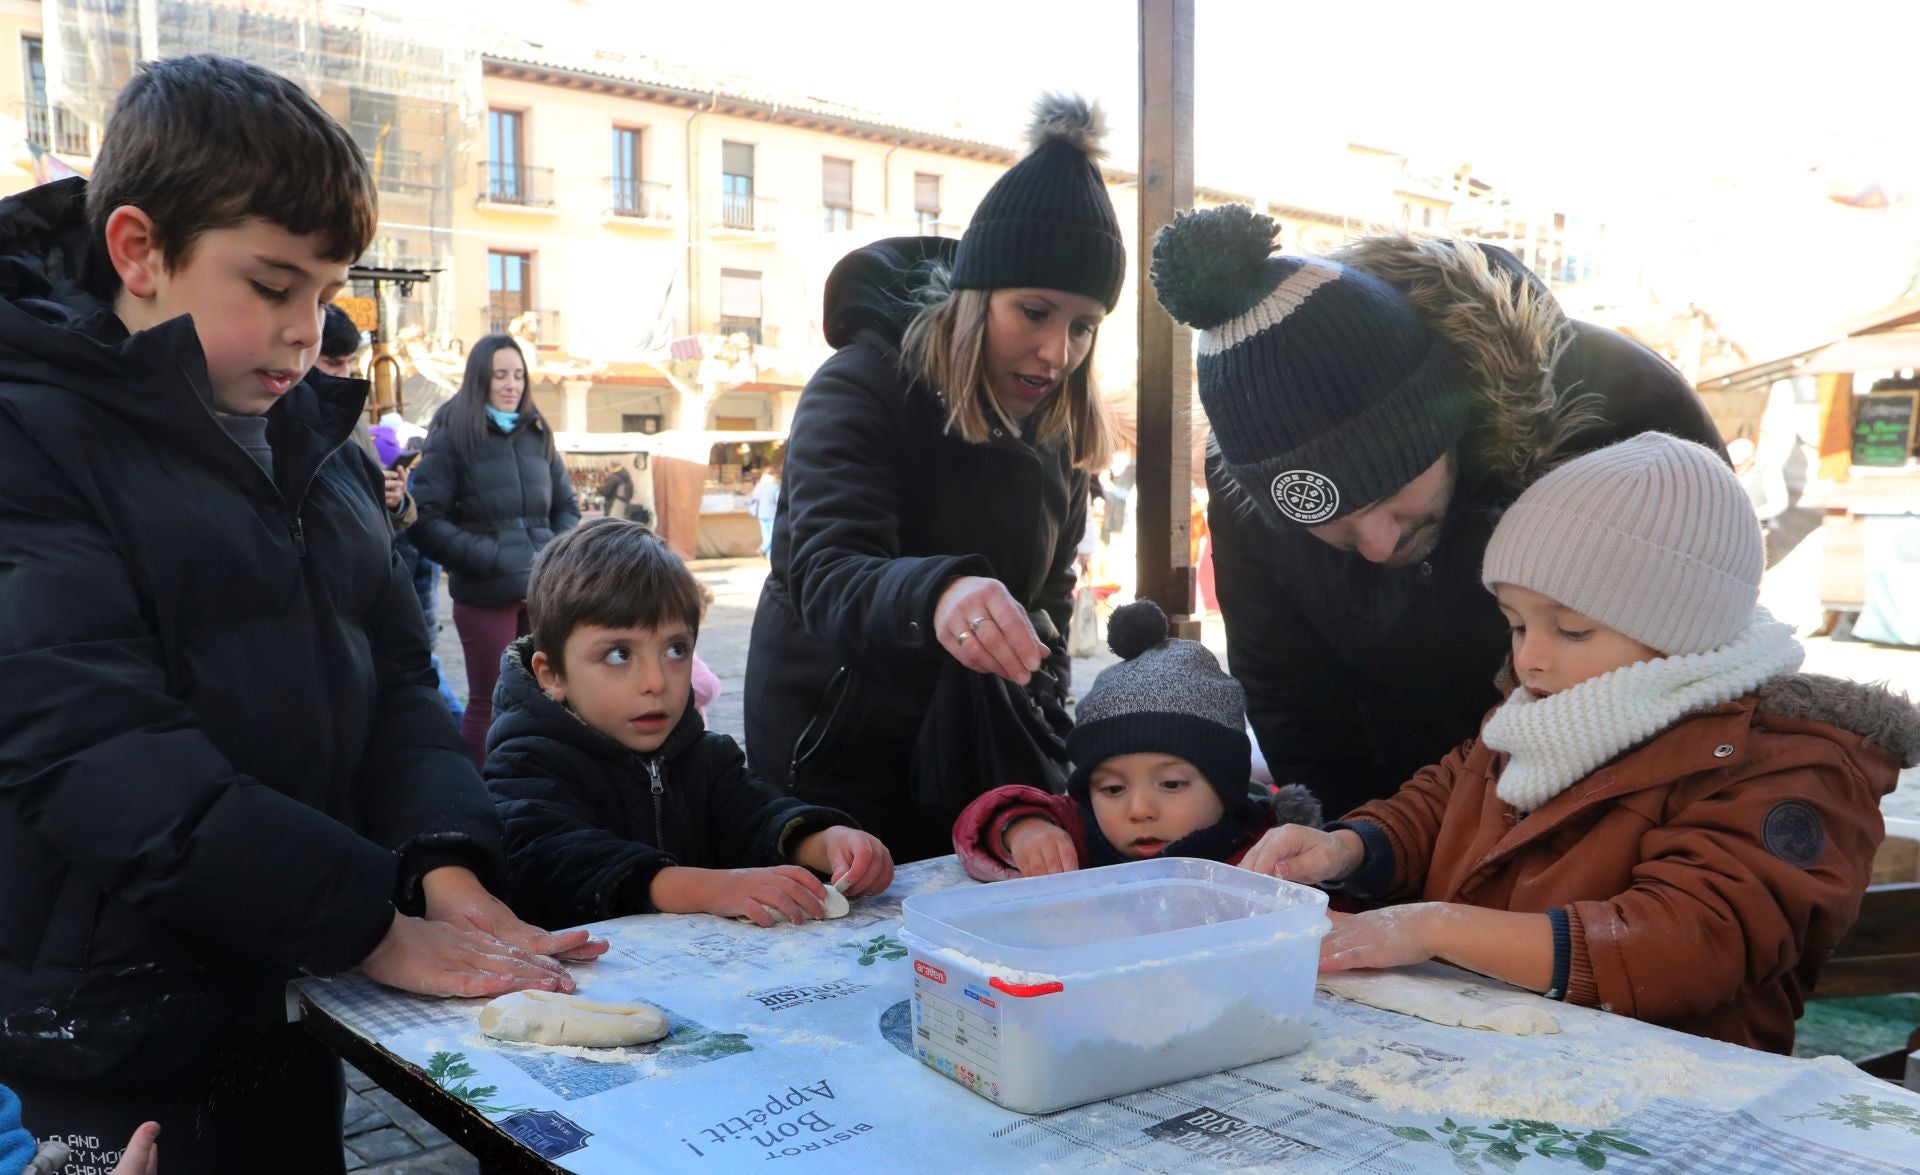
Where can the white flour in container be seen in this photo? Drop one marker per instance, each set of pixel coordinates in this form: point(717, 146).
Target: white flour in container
point(1035, 1075)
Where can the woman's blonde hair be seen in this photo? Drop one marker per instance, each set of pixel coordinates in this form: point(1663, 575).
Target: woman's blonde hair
point(946, 345)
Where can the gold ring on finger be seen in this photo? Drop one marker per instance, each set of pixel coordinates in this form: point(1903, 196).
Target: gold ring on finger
point(962, 637)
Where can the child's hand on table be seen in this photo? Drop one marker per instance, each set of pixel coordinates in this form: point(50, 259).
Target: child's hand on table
point(1040, 847)
point(1397, 936)
point(1295, 852)
point(857, 861)
point(752, 894)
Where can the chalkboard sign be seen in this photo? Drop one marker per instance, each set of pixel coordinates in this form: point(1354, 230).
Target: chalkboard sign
point(1883, 427)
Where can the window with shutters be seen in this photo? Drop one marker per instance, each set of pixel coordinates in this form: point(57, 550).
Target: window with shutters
point(836, 194)
point(926, 203)
point(737, 208)
point(509, 288)
point(740, 303)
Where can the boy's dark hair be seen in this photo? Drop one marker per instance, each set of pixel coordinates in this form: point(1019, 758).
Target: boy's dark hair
point(465, 415)
point(609, 572)
point(206, 142)
point(339, 338)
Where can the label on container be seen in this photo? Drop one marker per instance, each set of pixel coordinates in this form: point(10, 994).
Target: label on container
point(956, 1029)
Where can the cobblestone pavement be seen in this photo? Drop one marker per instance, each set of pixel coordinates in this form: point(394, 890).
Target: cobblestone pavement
point(385, 1138)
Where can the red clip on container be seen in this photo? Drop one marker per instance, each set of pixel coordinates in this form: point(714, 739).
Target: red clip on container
point(1050, 992)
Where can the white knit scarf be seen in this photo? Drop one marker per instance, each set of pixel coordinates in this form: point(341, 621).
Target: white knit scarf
point(1556, 741)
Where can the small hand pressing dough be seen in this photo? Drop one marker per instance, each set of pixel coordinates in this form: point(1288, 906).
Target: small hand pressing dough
point(543, 1017)
point(835, 903)
point(1437, 1000)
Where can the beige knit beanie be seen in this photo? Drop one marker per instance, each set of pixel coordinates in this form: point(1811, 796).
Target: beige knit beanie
point(1653, 537)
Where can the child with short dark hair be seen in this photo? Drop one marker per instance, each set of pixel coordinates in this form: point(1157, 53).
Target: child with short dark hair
point(1664, 818)
point(1161, 761)
point(616, 798)
point(225, 762)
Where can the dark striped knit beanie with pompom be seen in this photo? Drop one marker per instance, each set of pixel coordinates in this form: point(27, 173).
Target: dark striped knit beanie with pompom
point(1324, 387)
point(1048, 223)
point(1169, 697)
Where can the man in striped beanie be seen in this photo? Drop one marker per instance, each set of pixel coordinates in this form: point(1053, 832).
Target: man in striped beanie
point(1371, 415)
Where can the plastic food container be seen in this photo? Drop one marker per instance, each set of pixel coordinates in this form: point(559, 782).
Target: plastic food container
point(1049, 992)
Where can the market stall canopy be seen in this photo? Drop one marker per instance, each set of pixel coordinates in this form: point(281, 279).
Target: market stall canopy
point(1892, 350)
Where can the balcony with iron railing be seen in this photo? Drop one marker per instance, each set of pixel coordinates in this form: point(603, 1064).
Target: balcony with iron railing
point(541, 326)
point(57, 130)
point(638, 199)
point(743, 216)
point(515, 185)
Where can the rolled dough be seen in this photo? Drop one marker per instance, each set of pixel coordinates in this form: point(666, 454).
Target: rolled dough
point(544, 1017)
point(1440, 1001)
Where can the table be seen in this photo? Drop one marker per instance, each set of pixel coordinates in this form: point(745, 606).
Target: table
point(791, 1052)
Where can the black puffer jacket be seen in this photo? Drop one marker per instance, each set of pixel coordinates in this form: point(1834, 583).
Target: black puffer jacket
point(590, 823)
point(1358, 675)
point(485, 518)
point(224, 755)
point(880, 509)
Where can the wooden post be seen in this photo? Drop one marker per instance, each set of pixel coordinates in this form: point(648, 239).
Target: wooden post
point(1163, 489)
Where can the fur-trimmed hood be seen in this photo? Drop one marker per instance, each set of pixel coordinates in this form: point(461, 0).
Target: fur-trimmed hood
point(1877, 714)
point(1511, 335)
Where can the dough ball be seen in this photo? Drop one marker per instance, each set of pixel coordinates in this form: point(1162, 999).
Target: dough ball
point(544, 1017)
point(835, 903)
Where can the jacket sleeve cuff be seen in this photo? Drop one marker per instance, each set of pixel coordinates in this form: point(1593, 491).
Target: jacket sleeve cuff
point(1375, 873)
point(632, 892)
point(1582, 987)
point(1562, 953)
point(803, 824)
point(428, 853)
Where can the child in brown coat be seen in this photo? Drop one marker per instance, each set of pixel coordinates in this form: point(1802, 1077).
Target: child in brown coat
point(1664, 818)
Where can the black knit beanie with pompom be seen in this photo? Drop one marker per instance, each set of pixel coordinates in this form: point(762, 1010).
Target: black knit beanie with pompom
point(1325, 388)
point(1048, 223)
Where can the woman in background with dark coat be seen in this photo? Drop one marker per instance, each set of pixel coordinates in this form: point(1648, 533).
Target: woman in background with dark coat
point(492, 491)
point(935, 491)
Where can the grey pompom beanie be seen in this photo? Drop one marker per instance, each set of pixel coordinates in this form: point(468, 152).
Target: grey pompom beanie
point(1653, 537)
point(1168, 697)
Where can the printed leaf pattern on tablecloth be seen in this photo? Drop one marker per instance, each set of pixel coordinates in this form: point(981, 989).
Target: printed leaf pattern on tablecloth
point(1504, 1144)
point(1864, 1113)
point(450, 1072)
point(880, 946)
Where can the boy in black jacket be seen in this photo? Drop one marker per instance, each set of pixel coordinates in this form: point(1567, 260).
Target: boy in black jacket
point(224, 761)
point(615, 797)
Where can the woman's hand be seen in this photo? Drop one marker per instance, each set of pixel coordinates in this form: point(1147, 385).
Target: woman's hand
point(435, 958)
point(455, 896)
point(1295, 852)
point(986, 629)
point(1040, 847)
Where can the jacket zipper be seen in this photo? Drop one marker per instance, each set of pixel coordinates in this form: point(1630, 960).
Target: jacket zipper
point(659, 831)
point(295, 528)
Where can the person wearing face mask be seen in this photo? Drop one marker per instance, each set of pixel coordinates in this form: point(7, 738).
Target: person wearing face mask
point(1372, 414)
point(934, 496)
point(491, 491)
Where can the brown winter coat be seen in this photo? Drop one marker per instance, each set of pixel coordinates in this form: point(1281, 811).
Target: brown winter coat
point(1707, 874)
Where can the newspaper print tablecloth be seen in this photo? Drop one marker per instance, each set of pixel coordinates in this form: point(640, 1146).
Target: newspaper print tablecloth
point(791, 1051)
